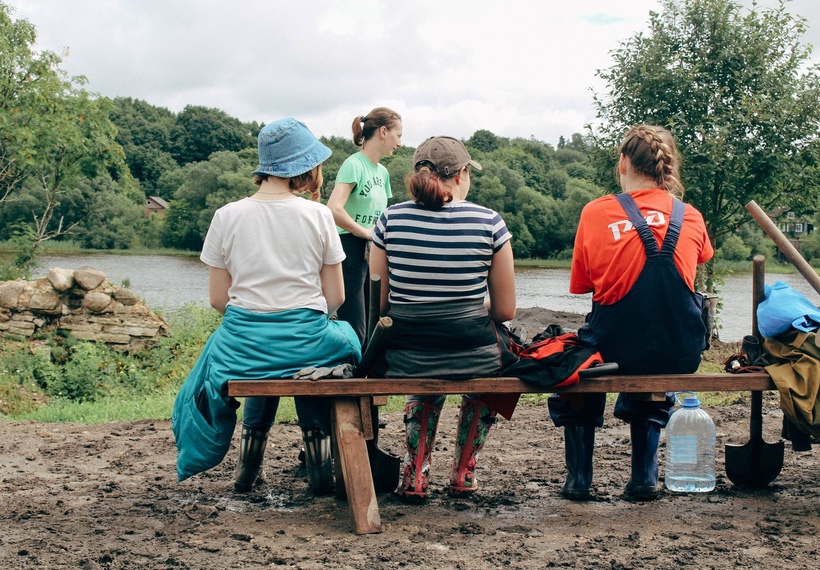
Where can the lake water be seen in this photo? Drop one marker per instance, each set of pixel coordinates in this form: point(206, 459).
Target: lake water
point(167, 282)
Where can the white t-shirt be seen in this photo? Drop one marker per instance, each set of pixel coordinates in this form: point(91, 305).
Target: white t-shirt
point(274, 251)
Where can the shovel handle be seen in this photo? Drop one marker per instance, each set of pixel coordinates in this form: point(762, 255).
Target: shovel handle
point(758, 295)
point(783, 243)
point(373, 304)
point(374, 345)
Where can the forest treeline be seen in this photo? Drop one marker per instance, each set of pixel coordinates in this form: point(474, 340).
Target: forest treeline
point(201, 158)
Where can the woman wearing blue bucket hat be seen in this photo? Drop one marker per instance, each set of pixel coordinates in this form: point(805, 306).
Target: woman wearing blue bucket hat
point(275, 274)
point(358, 199)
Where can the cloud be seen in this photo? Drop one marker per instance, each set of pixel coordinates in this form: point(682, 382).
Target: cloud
point(517, 68)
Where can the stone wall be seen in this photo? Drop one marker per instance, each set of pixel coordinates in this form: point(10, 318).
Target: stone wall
point(81, 302)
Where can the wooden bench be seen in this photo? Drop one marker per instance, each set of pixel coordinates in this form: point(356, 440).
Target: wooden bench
point(352, 423)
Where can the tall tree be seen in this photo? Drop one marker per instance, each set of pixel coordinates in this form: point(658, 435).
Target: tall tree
point(53, 134)
point(145, 133)
point(201, 131)
point(736, 88)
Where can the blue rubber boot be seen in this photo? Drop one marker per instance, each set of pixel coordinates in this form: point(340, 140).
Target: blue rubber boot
point(643, 484)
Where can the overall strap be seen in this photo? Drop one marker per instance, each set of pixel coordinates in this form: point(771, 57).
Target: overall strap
point(673, 233)
point(628, 204)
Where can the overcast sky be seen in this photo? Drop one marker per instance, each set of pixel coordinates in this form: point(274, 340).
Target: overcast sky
point(519, 68)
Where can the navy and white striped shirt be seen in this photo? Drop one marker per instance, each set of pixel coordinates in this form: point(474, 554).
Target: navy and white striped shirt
point(439, 255)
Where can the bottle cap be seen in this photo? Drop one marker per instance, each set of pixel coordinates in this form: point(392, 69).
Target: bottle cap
point(691, 402)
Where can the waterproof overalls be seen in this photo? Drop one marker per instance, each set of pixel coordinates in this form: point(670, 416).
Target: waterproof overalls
point(656, 327)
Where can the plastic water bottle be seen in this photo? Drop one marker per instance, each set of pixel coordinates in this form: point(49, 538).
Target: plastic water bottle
point(690, 449)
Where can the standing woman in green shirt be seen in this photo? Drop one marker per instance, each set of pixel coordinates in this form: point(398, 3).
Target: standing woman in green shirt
point(358, 199)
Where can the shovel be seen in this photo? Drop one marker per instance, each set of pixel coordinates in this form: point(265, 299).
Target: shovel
point(756, 463)
point(385, 467)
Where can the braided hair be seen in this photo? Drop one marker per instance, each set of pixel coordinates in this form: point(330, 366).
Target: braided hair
point(653, 153)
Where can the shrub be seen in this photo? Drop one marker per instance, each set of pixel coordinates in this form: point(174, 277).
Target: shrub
point(733, 249)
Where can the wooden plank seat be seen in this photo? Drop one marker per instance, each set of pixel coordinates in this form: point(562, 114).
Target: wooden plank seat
point(353, 426)
point(431, 386)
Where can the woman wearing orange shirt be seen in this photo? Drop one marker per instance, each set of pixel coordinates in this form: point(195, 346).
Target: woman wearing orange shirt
point(637, 253)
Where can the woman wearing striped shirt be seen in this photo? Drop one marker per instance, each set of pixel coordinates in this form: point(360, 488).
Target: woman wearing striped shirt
point(449, 268)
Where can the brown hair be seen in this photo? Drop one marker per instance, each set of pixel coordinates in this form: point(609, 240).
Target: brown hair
point(365, 127)
point(653, 153)
point(428, 188)
point(310, 181)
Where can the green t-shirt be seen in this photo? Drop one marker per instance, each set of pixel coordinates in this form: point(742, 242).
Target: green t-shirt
point(371, 189)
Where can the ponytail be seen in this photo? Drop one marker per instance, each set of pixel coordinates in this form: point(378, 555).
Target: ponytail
point(428, 189)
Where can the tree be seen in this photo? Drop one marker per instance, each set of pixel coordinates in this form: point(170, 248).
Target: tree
point(201, 131)
point(203, 188)
point(735, 88)
point(53, 134)
point(145, 131)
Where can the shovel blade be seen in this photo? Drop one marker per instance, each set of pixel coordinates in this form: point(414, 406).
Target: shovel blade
point(754, 464)
point(386, 469)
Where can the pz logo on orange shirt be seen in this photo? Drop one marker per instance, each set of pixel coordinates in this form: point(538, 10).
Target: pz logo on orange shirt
point(653, 218)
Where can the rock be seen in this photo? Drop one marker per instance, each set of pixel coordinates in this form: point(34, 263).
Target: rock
point(45, 299)
point(96, 302)
point(126, 296)
point(61, 279)
point(10, 293)
point(81, 302)
point(88, 278)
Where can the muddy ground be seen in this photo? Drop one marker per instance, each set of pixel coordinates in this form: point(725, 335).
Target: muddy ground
point(106, 496)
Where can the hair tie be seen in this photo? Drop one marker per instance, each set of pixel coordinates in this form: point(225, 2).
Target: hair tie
point(364, 118)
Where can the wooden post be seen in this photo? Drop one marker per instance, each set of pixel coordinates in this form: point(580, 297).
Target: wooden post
point(354, 466)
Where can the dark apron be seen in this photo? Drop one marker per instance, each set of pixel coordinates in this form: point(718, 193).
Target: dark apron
point(656, 328)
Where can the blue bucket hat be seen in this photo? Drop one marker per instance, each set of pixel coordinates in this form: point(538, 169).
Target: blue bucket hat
point(287, 148)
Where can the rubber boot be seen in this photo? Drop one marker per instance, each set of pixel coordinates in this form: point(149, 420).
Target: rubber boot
point(421, 423)
point(754, 351)
point(801, 441)
point(318, 461)
point(579, 442)
point(249, 471)
point(474, 422)
point(643, 484)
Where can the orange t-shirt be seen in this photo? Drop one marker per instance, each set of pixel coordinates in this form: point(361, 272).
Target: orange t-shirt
point(609, 254)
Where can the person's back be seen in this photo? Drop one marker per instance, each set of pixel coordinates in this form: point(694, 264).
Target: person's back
point(637, 252)
point(441, 256)
point(292, 235)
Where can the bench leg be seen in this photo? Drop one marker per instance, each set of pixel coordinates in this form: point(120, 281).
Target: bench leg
point(354, 466)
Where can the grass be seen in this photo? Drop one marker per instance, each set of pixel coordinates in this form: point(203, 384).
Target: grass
point(158, 404)
point(69, 247)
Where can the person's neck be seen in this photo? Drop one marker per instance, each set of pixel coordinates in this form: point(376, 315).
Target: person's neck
point(274, 189)
point(372, 151)
point(459, 195)
point(635, 183)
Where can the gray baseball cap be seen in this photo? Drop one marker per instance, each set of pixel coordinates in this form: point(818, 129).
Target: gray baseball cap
point(446, 154)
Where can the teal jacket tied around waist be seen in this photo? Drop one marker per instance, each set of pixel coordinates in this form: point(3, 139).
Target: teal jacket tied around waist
point(249, 346)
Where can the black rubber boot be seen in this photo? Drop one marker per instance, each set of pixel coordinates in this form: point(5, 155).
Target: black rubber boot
point(249, 471)
point(643, 484)
point(801, 441)
point(318, 461)
point(579, 442)
point(754, 351)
